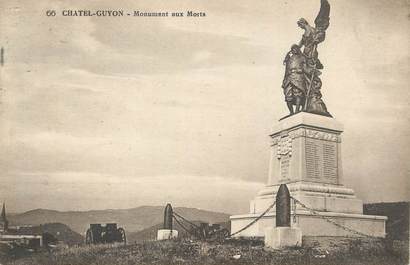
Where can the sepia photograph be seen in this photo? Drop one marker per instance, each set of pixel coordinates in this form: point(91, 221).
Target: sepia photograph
point(204, 132)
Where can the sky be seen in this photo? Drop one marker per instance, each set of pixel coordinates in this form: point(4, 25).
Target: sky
point(119, 112)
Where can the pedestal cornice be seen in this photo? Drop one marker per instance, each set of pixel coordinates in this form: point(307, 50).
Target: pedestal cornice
point(304, 119)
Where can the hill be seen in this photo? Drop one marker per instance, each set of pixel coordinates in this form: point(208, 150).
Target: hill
point(131, 220)
point(63, 233)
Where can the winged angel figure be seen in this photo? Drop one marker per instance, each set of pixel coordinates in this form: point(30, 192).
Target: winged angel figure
point(301, 84)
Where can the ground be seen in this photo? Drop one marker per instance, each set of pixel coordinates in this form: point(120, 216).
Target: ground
point(317, 251)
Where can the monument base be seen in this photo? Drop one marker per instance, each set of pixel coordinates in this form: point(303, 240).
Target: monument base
point(164, 234)
point(306, 156)
point(282, 237)
point(314, 225)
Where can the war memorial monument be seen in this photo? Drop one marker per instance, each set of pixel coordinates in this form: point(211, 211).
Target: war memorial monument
point(306, 150)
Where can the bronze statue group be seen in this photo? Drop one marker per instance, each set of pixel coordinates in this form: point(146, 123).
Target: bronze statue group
point(302, 84)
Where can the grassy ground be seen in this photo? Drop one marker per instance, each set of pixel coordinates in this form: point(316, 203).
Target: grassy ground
point(244, 252)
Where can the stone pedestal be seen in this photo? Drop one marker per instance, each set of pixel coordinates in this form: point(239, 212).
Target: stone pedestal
point(164, 234)
point(282, 237)
point(306, 155)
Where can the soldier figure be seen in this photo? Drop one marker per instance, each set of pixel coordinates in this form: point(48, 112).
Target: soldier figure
point(294, 83)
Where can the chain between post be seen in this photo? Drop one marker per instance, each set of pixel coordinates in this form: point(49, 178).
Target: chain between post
point(327, 219)
point(183, 227)
point(254, 221)
point(183, 218)
point(331, 220)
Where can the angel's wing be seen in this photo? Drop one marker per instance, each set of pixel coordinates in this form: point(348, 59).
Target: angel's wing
point(322, 19)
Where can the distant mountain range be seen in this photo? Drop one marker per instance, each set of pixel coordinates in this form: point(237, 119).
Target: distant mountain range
point(132, 220)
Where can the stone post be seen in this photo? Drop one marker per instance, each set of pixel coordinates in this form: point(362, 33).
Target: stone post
point(283, 207)
point(167, 232)
point(283, 235)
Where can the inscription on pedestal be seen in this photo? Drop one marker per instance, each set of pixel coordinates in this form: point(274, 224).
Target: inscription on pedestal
point(321, 160)
point(284, 168)
point(313, 159)
point(329, 161)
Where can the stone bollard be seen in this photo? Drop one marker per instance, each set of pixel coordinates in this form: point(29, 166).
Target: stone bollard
point(283, 235)
point(167, 232)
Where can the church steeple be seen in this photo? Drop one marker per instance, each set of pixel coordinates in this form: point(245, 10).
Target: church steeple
point(4, 218)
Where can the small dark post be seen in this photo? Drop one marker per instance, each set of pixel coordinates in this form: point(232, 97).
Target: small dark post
point(283, 207)
point(168, 213)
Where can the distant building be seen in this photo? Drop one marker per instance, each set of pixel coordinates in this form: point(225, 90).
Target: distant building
point(4, 223)
point(19, 235)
